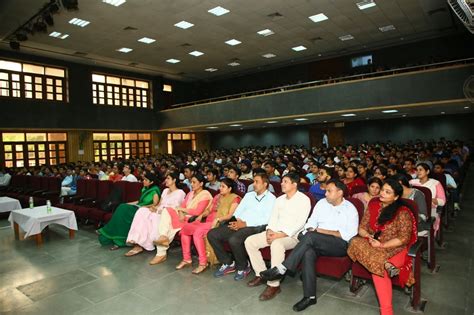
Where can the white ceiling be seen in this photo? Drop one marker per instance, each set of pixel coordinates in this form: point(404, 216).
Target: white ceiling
point(413, 19)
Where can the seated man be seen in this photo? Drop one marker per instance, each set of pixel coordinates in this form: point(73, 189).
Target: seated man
point(5, 178)
point(69, 183)
point(270, 168)
point(288, 218)
point(318, 190)
point(332, 224)
point(212, 182)
point(260, 171)
point(251, 217)
point(234, 173)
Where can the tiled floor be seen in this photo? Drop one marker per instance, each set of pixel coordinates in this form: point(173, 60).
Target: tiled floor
point(81, 277)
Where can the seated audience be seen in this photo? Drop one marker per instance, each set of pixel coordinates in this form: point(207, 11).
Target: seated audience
point(352, 179)
point(69, 183)
point(233, 173)
point(318, 190)
point(373, 190)
point(212, 182)
point(127, 174)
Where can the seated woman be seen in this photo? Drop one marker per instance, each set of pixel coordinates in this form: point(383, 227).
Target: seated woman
point(173, 219)
point(115, 232)
point(418, 197)
point(437, 191)
point(144, 229)
point(352, 179)
point(374, 185)
point(386, 232)
point(222, 209)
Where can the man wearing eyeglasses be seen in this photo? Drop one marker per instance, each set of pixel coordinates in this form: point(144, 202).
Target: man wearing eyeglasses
point(318, 189)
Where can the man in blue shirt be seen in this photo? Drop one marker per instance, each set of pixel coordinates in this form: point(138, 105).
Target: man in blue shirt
point(318, 189)
point(251, 217)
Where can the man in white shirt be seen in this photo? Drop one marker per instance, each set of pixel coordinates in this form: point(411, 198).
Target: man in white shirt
point(127, 174)
point(5, 178)
point(332, 224)
point(288, 218)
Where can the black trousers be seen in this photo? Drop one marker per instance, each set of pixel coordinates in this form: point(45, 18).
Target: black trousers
point(236, 239)
point(311, 246)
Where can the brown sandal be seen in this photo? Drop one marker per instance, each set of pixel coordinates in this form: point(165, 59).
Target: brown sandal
point(199, 269)
point(183, 264)
point(134, 251)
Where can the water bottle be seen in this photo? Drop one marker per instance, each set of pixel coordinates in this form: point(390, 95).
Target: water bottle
point(48, 206)
point(32, 204)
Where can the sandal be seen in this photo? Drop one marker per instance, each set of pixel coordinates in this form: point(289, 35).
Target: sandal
point(134, 251)
point(391, 270)
point(199, 269)
point(115, 247)
point(183, 264)
point(162, 241)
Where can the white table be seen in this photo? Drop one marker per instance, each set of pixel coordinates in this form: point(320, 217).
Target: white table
point(33, 221)
point(8, 204)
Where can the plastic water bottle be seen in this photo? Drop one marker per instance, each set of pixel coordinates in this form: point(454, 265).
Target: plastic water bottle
point(32, 204)
point(48, 206)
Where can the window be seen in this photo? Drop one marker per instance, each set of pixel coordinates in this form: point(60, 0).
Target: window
point(34, 148)
point(167, 88)
point(361, 61)
point(181, 137)
point(23, 80)
point(118, 91)
point(110, 146)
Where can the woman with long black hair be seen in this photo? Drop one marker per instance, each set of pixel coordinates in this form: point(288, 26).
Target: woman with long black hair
point(386, 232)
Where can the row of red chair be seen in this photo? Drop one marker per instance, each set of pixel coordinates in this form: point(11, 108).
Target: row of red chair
point(41, 188)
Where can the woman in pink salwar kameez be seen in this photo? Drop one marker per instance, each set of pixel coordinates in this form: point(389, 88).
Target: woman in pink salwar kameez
point(144, 229)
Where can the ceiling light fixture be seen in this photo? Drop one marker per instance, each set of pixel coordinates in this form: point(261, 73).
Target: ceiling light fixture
point(265, 32)
point(272, 122)
point(125, 50)
point(234, 64)
point(212, 127)
point(184, 25)
point(235, 125)
point(269, 55)
point(389, 111)
point(147, 40)
point(233, 42)
point(79, 22)
point(346, 37)
point(211, 69)
point(172, 60)
point(348, 115)
point(115, 3)
point(218, 11)
point(318, 18)
point(299, 48)
point(301, 119)
point(196, 53)
point(387, 28)
point(365, 4)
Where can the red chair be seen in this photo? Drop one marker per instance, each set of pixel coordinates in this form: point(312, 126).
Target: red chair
point(304, 187)
point(213, 192)
point(360, 272)
point(91, 210)
point(133, 191)
point(277, 187)
point(246, 182)
point(429, 240)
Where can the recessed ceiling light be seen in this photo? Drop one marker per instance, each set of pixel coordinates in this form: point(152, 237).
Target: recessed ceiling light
point(301, 119)
point(64, 36)
point(211, 69)
point(172, 60)
point(299, 48)
point(387, 28)
point(318, 17)
point(59, 35)
point(196, 53)
point(404, 115)
point(212, 127)
point(79, 22)
point(366, 4)
point(389, 111)
point(55, 34)
point(125, 50)
point(233, 42)
point(466, 107)
point(265, 32)
point(235, 125)
point(218, 11)
point(269, 55)
point(184, 25)
point(147, 40)
point(442, 113)
point(272, 122)
point(234, 64)
point(348, 115)
point(115, 3)
point(325, 121)
point(367, 118)
point(346, 37)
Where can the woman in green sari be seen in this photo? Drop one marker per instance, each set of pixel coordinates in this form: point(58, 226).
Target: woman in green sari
point(116, 230)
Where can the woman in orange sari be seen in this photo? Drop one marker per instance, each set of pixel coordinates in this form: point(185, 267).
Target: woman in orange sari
point(386, 232)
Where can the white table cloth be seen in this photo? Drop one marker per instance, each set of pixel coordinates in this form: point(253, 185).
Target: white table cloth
point(8, 204)
point(33, 221)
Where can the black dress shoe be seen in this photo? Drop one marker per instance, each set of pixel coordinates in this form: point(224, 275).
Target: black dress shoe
point(271, 274)
point(303, 304)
